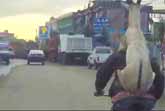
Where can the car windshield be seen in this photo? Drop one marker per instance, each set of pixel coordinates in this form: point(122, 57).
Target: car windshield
point(71, 54)
point(4, 47)
point(103, 51)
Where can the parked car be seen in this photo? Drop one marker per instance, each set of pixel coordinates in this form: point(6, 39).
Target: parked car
point(98, 56)
point(36, 56)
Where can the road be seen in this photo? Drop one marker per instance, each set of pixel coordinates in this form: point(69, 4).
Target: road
point(50, 87)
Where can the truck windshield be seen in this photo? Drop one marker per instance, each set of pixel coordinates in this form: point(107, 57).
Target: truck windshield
point(103, 51)
point(4, 47)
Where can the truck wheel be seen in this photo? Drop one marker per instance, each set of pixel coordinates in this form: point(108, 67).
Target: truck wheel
point(43, 63)
point(7, 62)
point(64, 59)
point(69, 59)
point(85, 58)
point(28, 62)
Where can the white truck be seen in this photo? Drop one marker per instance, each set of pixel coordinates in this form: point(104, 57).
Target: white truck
point(74, 49)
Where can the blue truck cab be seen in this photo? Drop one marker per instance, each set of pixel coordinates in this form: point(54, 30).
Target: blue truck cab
point(6, 52)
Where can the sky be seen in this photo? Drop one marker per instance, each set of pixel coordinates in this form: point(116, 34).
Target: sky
point(23, 17)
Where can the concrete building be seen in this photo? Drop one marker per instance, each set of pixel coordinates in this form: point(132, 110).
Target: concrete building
point(6, 36)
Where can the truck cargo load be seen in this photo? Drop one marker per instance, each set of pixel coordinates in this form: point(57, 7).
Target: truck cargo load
point(74, 48)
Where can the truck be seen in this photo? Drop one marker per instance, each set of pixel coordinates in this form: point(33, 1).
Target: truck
point(6, 52)
point(74, 49)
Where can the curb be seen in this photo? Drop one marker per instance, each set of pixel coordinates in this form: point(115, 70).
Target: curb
point(5, 70)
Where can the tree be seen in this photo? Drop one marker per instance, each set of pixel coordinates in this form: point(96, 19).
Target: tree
point(31, 45)
point(19, 47)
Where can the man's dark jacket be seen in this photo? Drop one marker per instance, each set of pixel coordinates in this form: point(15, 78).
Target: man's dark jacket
point(118, 61)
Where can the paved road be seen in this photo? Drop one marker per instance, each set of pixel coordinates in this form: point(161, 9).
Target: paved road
point(50, 87)
point(5, 69)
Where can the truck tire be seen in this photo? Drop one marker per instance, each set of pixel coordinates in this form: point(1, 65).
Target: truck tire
point(43, 63)
point(28, 62)
point(85, 60)
point(8, 62)
point(64, 59)
point(69, 59)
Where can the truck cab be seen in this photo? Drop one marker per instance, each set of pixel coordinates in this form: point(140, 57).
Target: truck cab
point(6, 53)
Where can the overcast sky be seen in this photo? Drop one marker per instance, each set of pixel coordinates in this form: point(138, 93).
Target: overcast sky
point(57, 7)
point(14, 7)
point(23, 17)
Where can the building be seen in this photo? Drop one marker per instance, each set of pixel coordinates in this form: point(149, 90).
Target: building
point(65, 23)
point(103, 20)
point(6, 36)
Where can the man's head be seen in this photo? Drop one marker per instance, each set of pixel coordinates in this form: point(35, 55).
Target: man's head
point(134, 1)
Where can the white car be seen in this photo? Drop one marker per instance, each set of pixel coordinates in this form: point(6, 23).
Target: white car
point(99, 56)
